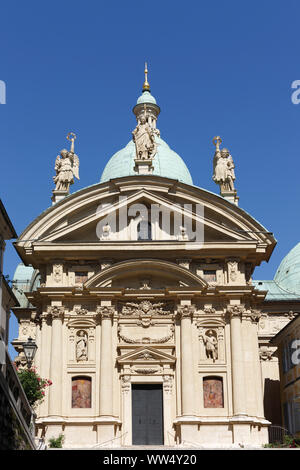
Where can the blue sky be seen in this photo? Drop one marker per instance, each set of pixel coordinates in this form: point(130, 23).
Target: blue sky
point(215, 67)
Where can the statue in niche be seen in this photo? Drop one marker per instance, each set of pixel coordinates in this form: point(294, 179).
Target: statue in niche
point(224, 174)
point(66, 167)
point(81, 346)
point(211, 345)
point(144, 138)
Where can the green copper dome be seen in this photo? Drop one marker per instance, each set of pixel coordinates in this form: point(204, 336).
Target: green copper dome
point(166, 163)
point(146, 97)
point(288, 273)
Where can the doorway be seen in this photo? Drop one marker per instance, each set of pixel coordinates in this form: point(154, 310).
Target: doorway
point(147, 414)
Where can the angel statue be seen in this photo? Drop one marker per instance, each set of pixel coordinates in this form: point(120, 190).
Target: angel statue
point(144, 139)
point(223, 167)
point(66, 167)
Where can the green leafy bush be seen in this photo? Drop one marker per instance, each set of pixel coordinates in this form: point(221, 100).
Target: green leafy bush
point(56, 442)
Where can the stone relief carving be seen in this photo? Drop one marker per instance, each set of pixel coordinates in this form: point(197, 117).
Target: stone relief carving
point(183, 235)
point(80, 310)
point(145, 307)
point(58, 273)
point(105, 311)
point(265, 353)
point(290, 315)
point(145, 371)
point(209, 310)
point(168, 384)
point(55, 311)
point(145, 322)
point(233, 270)
point(146, 340)
point(125, 383)
point(146, 355)
point(262, 324)
point(106, 232)
point(145, 284)
point(235, 310)
point(81, 346)
point(186, 310)
point(27, 328)
point(255, 315)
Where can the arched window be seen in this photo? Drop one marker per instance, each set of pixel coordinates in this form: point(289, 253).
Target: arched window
point(81, 392)
point(213, 392)
point(144, 230)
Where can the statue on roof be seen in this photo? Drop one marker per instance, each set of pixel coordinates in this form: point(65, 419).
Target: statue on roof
point(144, 138)
point(224, 174)
point(66, 167)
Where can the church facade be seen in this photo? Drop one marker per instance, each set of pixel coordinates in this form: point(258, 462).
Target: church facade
point(139, 295)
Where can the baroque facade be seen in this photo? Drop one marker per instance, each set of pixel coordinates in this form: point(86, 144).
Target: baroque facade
point(139, 295)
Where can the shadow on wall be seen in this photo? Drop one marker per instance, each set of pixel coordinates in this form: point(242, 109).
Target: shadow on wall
point(272, 405)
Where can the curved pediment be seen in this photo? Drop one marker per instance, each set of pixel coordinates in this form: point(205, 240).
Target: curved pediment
point(132, 273)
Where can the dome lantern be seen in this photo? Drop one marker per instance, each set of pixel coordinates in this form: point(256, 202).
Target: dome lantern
point(157, 158)
point(146, 99)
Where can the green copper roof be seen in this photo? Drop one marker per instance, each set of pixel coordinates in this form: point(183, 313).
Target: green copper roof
point(166, 163)
point(286, 283)
point(275, 291)
point(26, 279)
point(288, 273)
point(146, 97)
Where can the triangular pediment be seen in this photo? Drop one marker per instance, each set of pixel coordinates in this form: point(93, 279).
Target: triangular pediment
point(86, 225)
point(79, 220)
point(146, 355)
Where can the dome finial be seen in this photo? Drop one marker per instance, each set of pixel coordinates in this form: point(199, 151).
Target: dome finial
point(146, 86)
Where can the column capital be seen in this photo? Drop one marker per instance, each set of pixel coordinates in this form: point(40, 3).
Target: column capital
point(56, 312)
point(235, 310)
point(186, 311)
point(253, 315)
point(105, 311)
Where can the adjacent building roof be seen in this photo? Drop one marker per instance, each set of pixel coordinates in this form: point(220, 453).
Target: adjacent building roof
point(6, 224)
point(275, 291)
point(286, 282)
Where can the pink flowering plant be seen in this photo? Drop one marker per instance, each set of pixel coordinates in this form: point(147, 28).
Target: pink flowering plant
point(34, 386)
